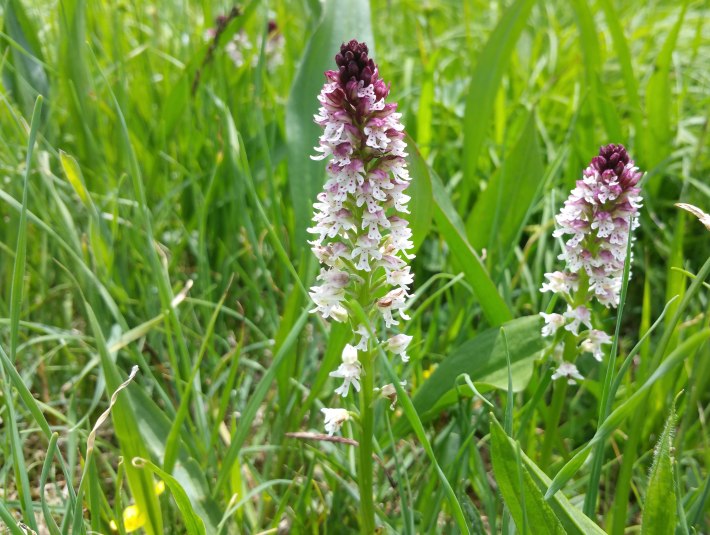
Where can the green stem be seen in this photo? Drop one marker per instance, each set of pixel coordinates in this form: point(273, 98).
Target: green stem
point(364, 468)
point(559, 393)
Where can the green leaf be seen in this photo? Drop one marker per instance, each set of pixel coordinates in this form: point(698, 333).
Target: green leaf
point(486, 78)
point(16, 300)
point(659, 509)
point(573, 519)
point(681, 352)
point(503, 207)
point(623, 54)
point(155, 427)
point(530, 511)
point(128, 432)
point(659, 129)
point(262, 389)
point(193, 523)
point(484, 359)
point(26, 78)
point(342, 21)
point(452, 230)
point(75, 177)
point(421, 205)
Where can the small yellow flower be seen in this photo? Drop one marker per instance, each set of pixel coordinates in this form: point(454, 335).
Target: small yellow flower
point(427, 373)
point(133, 517)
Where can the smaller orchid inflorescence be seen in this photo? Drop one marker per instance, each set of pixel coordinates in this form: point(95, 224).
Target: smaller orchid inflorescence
point(359, 237)
point(596, 220)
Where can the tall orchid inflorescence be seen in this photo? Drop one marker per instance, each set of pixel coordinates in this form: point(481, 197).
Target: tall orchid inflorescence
point(596, 220)
point(359, 236)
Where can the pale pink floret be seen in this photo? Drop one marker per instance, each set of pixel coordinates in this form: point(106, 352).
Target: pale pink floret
point(578, 315)
point(593, 343)
point(552, 323)
point(569, 371)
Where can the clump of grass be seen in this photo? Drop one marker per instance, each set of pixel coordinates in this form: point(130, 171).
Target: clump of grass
point(154, 222)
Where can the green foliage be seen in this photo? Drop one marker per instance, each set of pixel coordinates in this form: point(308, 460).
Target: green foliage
point(483, 358)
point(532, 514)
point(154, 210)
point(659, 512)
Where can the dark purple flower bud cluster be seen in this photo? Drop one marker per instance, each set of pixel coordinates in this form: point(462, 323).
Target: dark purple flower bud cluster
point(354, 63)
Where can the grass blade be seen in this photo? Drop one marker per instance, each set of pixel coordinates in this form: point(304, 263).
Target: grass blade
point(530, 511)
point(451, 228)
point(485, 80)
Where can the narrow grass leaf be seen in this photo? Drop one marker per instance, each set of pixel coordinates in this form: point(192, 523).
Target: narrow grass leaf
point(421, 204)
point(452, 230)
point(128, 434)
point(501, 209)
point(46, 468)
point(659, 108)
point(520, 493)
point(16, 290)
point(255, 400)
point(193, 524)
point(623, 56)
point(573, 520)
point(485, 81)
point(28, 78)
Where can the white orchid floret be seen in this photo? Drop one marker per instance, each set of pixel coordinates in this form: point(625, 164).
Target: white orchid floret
point(390, 392)
point(365, 249)
point(552, 323)
point(578, 315)
point(394, 300)
point(400, 277)
point(593, 343)
point(398, 344)
point(569, 371)
point(329, 302)
point(349, 370)
point(364, 337)
point(334, 419)
point(560, 282)
point(330, 254)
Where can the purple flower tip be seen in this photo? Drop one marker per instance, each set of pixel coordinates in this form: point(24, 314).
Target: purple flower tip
point(611, 157)
point(354, 63)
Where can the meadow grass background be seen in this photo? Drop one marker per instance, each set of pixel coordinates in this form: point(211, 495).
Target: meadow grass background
point(155, 170)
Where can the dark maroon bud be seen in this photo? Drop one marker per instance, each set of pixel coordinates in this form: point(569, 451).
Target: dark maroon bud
point(353, 63)
point(611, 157)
